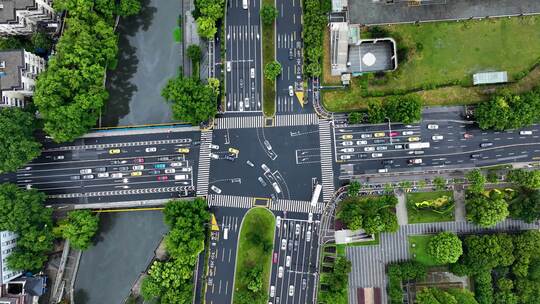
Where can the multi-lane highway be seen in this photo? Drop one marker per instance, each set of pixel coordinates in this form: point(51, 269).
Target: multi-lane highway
point(243, 57)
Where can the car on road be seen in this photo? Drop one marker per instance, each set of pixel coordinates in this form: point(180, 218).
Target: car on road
point(486, 144)
point(414, 138)
point(344, 157)
point(379, 141)
point(118, 162)
point(170, 171)
point(267, 145)
point(85, 171)
point(229, 158)
point(214, 147)
point(124, 168)
point(308, 236)
point(160, 166)
point(291, 91)
point(176, 164)
point(297, 229)
point(361, 142)
point(183, 150)
point(437, 137)
point(392, 134)
point(103, 175)
point(381, 148)
point(290, 245)
point(117, 175)
point(288, 260)
point(101, 169)
point(291, 54)
point(154, 172)
point(525, 132)
point(228, 66)
point(241, 83)
point(136, 173)
point(185, 169)
point(275, 259)
point(369, 149)
point(346, 136)
point(310, 217)
point(137, 167)
point(365, 135)
point(291, 291)
point(387, 162)
point(418, 152)
point(252, 73)
point(374, 155)
point(415, 161)
point(58, 157)
point(265, 168)
point(234, 151)
point(181, 177)
point(347, 143)
point(278, 221)
point(75, 177)
point(164, 158)
point(383, 170)
point(214, 156)
point(150, 149)
point(162, 178)
point(407, 133)
point(398, 147)
point(88, 176)
point(378, 134)
point(432, 126)
point(139, 160)
point(347, 150)
point(296, 245)
point(215, 189)
point(283, 244)
point(261, 181)
point(246, 102)
point(468, 135)
point(280, 272)
point(272, 291)
point(304, 283)
point(114, 151)
point(276, 187)
point(475, 155)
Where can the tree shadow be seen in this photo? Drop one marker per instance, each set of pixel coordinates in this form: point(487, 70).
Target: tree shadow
point(106, 224)
point(81, 296)
point(119, 84)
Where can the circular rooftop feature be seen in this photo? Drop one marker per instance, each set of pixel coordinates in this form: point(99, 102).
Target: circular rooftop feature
point(369, 59)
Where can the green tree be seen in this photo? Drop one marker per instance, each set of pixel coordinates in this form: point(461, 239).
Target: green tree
point(194, 53)
point(350, 213)
point(376, 112)
point(206, 27)
point(486, 212)
point(354, 118)
point(492, 177)
point(526, 179)
point(504, 293)
point(445, 247)
point(272, 70)
point(485, 252)
point(79, 228)
point(405, 109)
point(268, 14)
point(129, 7)
point(439, 183)
point(477, 181)
point(191, 100)
point(354, 188)
point(17, 143)
point(526, 206)
point(434, 296)
point(254, 279)
point(41, 41)
point(462, 296)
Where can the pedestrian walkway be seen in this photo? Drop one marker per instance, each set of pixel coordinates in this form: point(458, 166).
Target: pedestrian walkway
point(401, 208)
point(203, 172)
point(296, 206)
point(459, 203)
point(122, 144)
point(327, 168)
point(230, 201)
point(239, 122)
point(296, 120)
point(368, 262)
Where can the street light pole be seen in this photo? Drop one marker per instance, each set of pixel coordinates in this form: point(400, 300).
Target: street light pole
point(389, 129)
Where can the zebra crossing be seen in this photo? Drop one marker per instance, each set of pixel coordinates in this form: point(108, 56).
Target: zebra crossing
point(203, 172)
point(296, 206)
point(239, 122)
point(231, 201)
point(286, 41)
point(326, 160)
point(290, 120)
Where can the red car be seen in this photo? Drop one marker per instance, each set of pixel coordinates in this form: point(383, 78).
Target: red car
point(139, 160)
point(162, 178)
point(468, 135)
point(392, 134)
point(275, 257)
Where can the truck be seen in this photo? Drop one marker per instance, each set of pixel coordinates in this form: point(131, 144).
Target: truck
point(316, 194)
point(418, 145)
point(181, 177)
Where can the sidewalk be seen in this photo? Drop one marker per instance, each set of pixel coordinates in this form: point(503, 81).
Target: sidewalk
point(151, 129)
point(459, 203)
point(401, 208)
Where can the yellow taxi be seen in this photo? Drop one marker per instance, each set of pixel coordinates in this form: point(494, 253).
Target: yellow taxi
point(114, 151)
point(347, 136)
point(234, 151)
point(136, 173)
point(183, 150)
point(414, 138)
point(378, 134)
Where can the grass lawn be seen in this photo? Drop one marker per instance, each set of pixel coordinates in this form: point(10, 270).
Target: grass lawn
point(419, 251)
point(177, 34)
point(447, 54)
point(268, 49)
point(258, 224)
point(427, 216)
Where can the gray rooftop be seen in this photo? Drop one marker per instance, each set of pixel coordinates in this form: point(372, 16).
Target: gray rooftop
point(10, 74)
point(7, 12)
point(381, 50)
point(379, 12)
point(490, 77)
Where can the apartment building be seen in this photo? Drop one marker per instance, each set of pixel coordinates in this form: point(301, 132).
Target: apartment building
point(18, 72)
point(22, 17)
point(8, 242)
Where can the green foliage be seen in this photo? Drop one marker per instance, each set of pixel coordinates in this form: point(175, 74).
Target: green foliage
point(509, 111)
point(526, 206)
point(403, 271)
point(79, 228)
point(170, 282)
point(504, 293)
point(209, 12)
point(22, 212)
point(434, 296)
point(526, 179)
point(486, 252)
point(373, 214)
point(463, 296)
point(477, 181)
point(439, 182)
point(128, 7)
point(486, 212)
point(272, 70)
point(354, 188)
point(253, 279)
point(192, 101)
point(376, 112)
point(484, 287)
point(41, 41)
point(405, 109)
point(338, 279)
point(526, 250)
point(314, 17)
point(434, 203)
point(194, 53)
point(354, 117)
point(492, 176)
point(268, 14)
point(17, 143)
point(445, 247)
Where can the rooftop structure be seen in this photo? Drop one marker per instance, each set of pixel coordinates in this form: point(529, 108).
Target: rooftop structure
point(339, 5)
point(18, 71)
point(21, 17)
point(8, 242)
point(490, 78)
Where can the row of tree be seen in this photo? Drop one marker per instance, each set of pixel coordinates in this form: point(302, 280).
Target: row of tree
point(70, 93)
point(372, 214)
point(18, 145)
point(336, 281)
point(23, 212)
point(399, 108)
point(207, 14)
point(509, 111)
point(171, 281)
point(435, 295)
point(315, 21)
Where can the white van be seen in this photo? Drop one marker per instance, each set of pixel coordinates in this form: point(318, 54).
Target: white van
point(276, 187)
point(252, 73)
point(245, 4)
point(181, 177)
point(228, 66)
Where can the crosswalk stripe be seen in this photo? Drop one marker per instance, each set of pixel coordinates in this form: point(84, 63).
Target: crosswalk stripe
point(296, 206)
point(326, 160)
point(296, 120)
point(204, 163)
point(215, 200)
point(239, 122)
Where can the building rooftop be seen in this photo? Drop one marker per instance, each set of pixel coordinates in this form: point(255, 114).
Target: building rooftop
point(372, 55)
point(8, 8)
point(490, 77)
point(10, 64)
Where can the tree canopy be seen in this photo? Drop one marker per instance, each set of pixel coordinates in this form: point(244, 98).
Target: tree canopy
point(314, 17)
point(17, 143)
point(445, 247)
point(268, 14)
point(477, 181)
point(524, 178)
point(79, 228)
point(485, 211)
point(272, 70)
point(373, 214)
point(402, 108)
point(208, 12)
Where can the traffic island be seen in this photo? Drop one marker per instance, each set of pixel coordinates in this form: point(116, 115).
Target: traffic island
point(268, 55)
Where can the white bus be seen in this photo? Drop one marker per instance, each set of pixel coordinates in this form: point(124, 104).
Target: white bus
point(316, 194)
point(245, 4)
point(418, 145)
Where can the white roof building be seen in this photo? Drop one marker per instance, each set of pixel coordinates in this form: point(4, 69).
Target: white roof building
point(8, 242)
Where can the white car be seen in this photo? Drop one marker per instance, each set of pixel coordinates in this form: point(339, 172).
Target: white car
point(415, 161)
point(185, 169)
point(432, 126)
point(291, 291)
point(369, 149)
point(86, 171)
point(215, 189)
point(361, 142)
point(291, 91)
point(308, 236)
point(384, 170)
point(103, 174)
point(525, 132)
point(297, 230)
point(272, 291)
point(170, 171)
point(366, 135)
point(252, 72)
point(280, 272)
point(176, 164)
point(246, 102)
point(228, 66)
point(376, 154)
point(437, 137)
point(214, 147)
point(151, 149)
point(117, 175)
point(406, 133)
point(138, 167)
point(214, 156)
point(347, 150)
point(278, 221)
point(347, 143)
point(343, 157)
point(381, 148)
point(398, 147)
point(310, 217)
point(288, 261)
point(283, 244)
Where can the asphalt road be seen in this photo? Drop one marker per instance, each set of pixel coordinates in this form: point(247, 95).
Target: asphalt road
point(243, 57)
point(64, 183)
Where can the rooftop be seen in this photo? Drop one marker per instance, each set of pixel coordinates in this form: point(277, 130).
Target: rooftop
point(12, 61)
point(372, 55)
point(8, 8)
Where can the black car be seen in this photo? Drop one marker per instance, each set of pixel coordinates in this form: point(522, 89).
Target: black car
point(379, 141)
point(101, 169)
point(153, 172)
point(291, 54)
point(75, 177)
point(230, 158)
point(362, 155)
point(387, 162)
point(164, 158)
